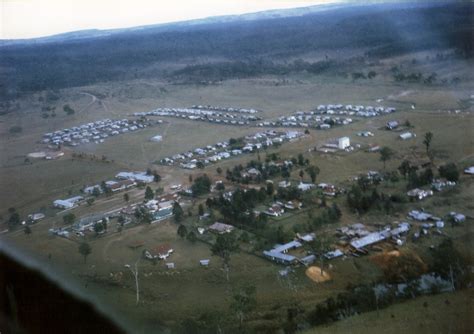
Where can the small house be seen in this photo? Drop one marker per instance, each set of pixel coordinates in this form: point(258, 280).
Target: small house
point(205, 262)
point(221, 228)
point(407, 135)
point(391, 125)
point(343, 143)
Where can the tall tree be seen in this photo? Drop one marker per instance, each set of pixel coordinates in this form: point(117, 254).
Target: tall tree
point(301, 174)
point(177, 212)
point(427, 141)
point(319, 246)
point(313, 172)
point(182, 231)
point(27, 230)
point(126, 197)
point(149, 194)
point(201, 209)
point(85, 249)
point(386, 153)
point(223, 247)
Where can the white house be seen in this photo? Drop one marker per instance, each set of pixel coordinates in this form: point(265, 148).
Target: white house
point(343, 142)
point(407, 135)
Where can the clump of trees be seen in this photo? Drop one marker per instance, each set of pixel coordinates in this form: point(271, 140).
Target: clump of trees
point(238, 210)
point(449, 171)
point(362, 201)
point(69, 218)
point(68, 110)
point(201, 185)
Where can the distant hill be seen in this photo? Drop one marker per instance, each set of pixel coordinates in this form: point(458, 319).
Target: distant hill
point(96, 33)
point(86, 58)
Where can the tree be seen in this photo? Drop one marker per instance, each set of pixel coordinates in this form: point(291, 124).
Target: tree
point(69, 218)
point(149, 194)
point(96, 192)
point(177, 212)
point(386, 153)
point(405, 168)
point(126, 197)
point(301, 174)
point(450, 264)
point(98, 228)
point(223, 247)
point(201, 209)
point(182, 231)
point(201, 185)
point(319, 246)
point(68, 110)
point(300, 159)
point(371, 74)
point(449, 171)
point(14, 219)
point(219, 170)
point(90, 201)
point(243, 302)
point(85, 249)
point(313, 172)
point(270, 189)
point(191, 236)
point(200, 164)
point(427, 141)
point(27, 230)
point(156, 177)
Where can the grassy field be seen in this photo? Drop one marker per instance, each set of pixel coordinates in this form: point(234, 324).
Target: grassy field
point(444, 313)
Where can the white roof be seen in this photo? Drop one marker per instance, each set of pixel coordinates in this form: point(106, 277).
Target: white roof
point(287, 246)
point(369, 239)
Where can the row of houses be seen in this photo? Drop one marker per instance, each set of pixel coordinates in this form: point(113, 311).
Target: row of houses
point(224, 150)
point(353, 110)
point(226, 109)
point(202, 115)
point(302, 120)
point(95, 132)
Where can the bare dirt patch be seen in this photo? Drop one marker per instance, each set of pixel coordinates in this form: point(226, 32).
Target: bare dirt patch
point(316, 275)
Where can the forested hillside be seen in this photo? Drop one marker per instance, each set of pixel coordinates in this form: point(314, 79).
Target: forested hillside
point(381, 30)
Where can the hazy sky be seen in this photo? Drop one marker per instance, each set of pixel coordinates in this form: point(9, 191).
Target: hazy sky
point(34, 18)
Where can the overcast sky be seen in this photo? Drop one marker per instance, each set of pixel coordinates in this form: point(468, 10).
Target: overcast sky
point(35, 18)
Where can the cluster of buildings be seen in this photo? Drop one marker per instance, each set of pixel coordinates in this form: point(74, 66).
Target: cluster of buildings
point(353, 110)
point(436, 185)
point(94, 132)
point(283, 254)
point(122, 181)
point(205, 115)
point(223, 150)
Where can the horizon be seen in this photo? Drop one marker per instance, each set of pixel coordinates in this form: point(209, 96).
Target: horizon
point(27, 19)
